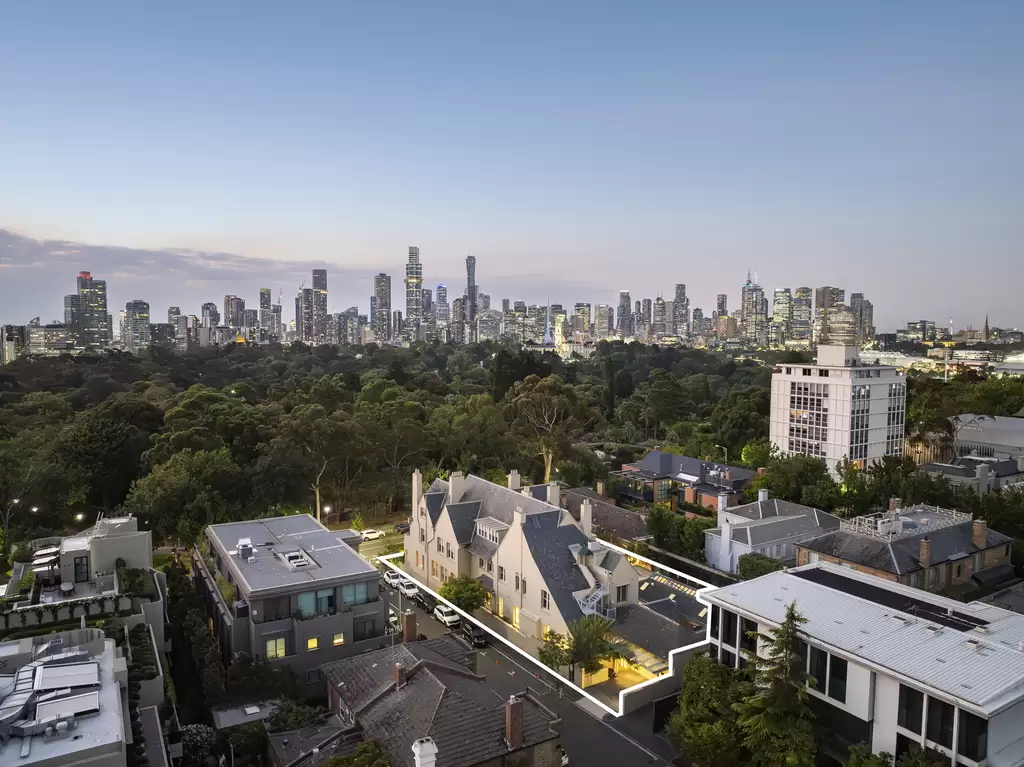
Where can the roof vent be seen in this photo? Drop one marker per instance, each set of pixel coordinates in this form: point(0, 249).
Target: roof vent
point(934, 629)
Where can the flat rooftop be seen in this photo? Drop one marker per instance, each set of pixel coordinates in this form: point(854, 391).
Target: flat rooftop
point(970, 652)
point(287, 553)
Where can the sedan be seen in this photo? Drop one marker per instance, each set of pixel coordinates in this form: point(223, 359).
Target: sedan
point(447, 616)
point(408, 588)
point(372, 535)
point(392, 578)
point(402, 527)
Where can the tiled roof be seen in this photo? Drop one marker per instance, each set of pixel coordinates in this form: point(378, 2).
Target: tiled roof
point(653, 631)
point(619, 522)
point(440, 699)
point(759, 532)
point(549, 545)
point(481, 547)
point(463, 518)
point(661, 463)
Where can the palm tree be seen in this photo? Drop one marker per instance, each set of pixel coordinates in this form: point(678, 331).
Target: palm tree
point(589, 643)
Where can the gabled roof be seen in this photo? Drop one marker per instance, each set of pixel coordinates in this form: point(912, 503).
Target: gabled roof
point(766, 530)
point(620, 522)
point(495, 500)
point(663, 464)
point(441, 699)
point(772, 508)
point(463, 518)
point(435, 497)
point(549, 545)
point(653, 631)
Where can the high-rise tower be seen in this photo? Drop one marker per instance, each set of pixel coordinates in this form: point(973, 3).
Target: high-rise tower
point(471, 299)
point(413, 293)
point(380, 322)
point(681, 312)
point(625, 318)
point(136, 336)
point(266, 315)
point(320, 329)
point(92, 305)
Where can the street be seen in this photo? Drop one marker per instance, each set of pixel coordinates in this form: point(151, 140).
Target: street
point(373, 549)
point(585, 738)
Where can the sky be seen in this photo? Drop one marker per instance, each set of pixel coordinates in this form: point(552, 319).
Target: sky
point(187, 150)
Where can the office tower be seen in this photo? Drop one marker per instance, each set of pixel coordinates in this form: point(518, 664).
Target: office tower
point(782, 317)
point(276, 323)
point(625, 326)
point(864, 316)
point(471, 302)
point(483, 301)
point(658, 316)
point(122, 327)
point(839, 408)
point(137, 336)
point(442, 311)
point(211, 316)
point(95, 324)
point(13, 340)
point(458, 320)
point(397, 322)
point(723, 305)
point(413, 294)
point(73, 317)
point(305, 328)
point(753, 312)
point(234, 311)
point(581, 320)
point(505, 305)
point(266, 312)
point(824, 299)
point(380, 314)
point(251, 319)
point(173, 312)
point(520, 306)
point(697, 322)
point(428, 304)
point(646, 311)
point(680, 312)
point(320, 318)
point(604, 321)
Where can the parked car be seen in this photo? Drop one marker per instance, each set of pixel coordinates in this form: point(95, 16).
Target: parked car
point(408, 588)
point(402, 527)
point(393, 620)
point(372, 535)
point(475, 635)
point(425, 601)
point(447, 616)
point(392, 578)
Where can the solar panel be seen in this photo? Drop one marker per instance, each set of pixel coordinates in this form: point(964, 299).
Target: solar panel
point(892, 599)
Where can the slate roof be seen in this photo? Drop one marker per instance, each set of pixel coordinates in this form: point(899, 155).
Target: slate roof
point(435, 502)
point(620, 522)
point(441, 699)
point(674, 604)
point(759, 532)
point(652, 631)
point(549, 545)
point(663, 464)
point(331, 736)
point(481, 547)
point(771, 508)
point(463, 518)
point(901, 555)
point(495, 500)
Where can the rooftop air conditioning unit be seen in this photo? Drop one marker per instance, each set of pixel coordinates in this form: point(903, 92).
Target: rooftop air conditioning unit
point(251, 560)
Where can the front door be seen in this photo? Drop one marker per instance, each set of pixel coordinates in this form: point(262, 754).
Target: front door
point(515, 616)
point(81, 569)
point(501, 607)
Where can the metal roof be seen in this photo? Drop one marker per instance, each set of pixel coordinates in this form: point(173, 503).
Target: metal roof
point(982, 668)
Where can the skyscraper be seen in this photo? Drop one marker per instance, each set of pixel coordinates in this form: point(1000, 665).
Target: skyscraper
point(580, 320)
point(504, 304)
point(413, 293)
point(782, 317)
point(428, 304)
point(471, 299)
point(604, 321)
point(95, 324)
point(680, 312)
point(211, 317)
point(647, 311)
point(800, 325)
point(864, 317)
point(723, 304)
point(753, 312)
point(625, 326)
point(380, 321)
point(320, 319)
point(442, 311)
point(234, 311)
point(304, 311)
point(697, 323)
point(658, 316)
point(137, 335)
point(825, 298)
point(483, 301)
point(266, 313)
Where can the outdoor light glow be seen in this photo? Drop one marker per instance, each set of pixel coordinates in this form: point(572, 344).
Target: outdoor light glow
point(327, 509)
point(35, 508)
point(79, 517)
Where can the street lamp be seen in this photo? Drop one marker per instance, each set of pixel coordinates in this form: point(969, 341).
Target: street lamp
point(35, 509)
point(724, 450)
point(327, 509)
point(79, 517)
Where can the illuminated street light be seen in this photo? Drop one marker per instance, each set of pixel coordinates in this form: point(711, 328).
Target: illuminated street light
point(35, 509)
point(15, 500)
point(79, 517)
point(327, 509)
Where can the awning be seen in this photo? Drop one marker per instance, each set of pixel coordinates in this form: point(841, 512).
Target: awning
point(45, 560)
point(46, 552)
point(994, 575)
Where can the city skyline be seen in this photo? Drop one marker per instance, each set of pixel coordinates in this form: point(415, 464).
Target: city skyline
point(871, 146)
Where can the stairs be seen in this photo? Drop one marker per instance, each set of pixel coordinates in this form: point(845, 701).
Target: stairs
point(590, 604)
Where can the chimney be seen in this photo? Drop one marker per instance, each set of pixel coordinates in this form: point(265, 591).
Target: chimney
point(424, 752)
point(417, 489)
point(762, 495)
point(513, 479)
point(587, 518)
point(514, 723)
point(408, 626)
point(600, 482)
point(456, 486)
point(895, 504)
point(554, 494)
point(981, 474)
point(517, 516)
point(401, 675)
point(979, 534)
point(723, 501)
point(925, 554)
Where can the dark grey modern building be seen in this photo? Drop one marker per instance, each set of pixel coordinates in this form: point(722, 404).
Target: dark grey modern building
point(288, 590)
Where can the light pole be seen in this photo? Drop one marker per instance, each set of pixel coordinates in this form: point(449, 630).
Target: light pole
point(724, 450)
point(327, 511)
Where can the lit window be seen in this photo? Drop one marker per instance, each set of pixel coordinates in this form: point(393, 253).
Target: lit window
point(339, 639)
point(275, 648)
point(313, 643)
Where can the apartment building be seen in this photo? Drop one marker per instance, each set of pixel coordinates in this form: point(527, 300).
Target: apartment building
point(661, 477)
point(981, 474)
point(838, 409)
point(288, 590)
point(890, 666)
point(540, 567)
point(924, 547)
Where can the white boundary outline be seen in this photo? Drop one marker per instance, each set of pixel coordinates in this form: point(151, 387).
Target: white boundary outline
point(386, 560)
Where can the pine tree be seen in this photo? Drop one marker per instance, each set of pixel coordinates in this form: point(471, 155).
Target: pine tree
point(776, 722)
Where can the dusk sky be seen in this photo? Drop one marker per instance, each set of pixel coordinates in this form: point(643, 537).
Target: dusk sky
point(574, 148)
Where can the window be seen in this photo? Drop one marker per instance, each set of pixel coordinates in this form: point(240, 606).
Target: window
point(276, 609)
point(355, 594)
point(433, 568)
point(789, 371)
point(501, 573)
point(338, 639)
point(911, 709)
point(748, 635)
point(973, 736)
point(958, 571)
point(423, 535)
point(440, 548)
point(481, 563)
point(275, 648)
point(517, 581)
point(448, 550)
point(729, 628)
point(307, 604)
point(622, 593)
point(313, 643)
point(515, 616)
point(818, 669)
point(417, 559)
point(364, 629)
point(728, 658)
point(940, 722)
point(490, 567)
point(933, 577)
point(313, 676)
point(715, 611)
point(544, 603)
point(837, 668)
point(524, 585)
point(325, 601)
point(81, 569)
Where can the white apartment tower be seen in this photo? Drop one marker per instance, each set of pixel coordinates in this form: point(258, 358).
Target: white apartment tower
point(838, 408)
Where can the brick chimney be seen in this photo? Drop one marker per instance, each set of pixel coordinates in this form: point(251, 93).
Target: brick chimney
point(979, 534)
point(600, 484)
point(424, 752)
point(401, 675)
point(408, 626)
point(514, 723)
point(513, 479)
point(924, 556)
point(895, 504)
point(456, 485)
point(417, 489)
point(587, 518)
point(554, 494)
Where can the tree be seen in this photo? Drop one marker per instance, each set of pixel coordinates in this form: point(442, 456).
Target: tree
point(754, 565)
point(555, 653)
point(756, 453)
point(704, 726)
point(548, 413)
point(776, 722)
point(366, 755)
point(589, 642)
point(466, 593)
point(198, 741)
point(249, 741)
point(292, 715)
point(861, 756)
